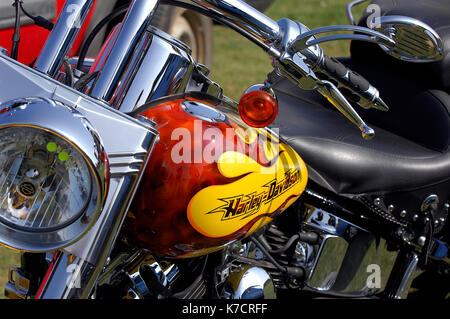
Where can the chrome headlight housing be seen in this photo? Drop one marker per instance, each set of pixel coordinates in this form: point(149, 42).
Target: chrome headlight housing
point(53, 175)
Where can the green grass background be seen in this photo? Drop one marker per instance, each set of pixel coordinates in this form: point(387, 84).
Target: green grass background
point(239, 63)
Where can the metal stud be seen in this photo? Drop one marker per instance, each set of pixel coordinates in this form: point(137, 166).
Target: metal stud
point(421, 241)
point(377, 201)
point(391, 208)
point(415, 217)
point(403, 214)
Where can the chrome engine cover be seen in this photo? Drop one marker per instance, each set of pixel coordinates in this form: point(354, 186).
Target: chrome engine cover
point(349, 261)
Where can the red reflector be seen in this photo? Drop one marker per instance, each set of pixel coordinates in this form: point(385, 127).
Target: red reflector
point(258, 108)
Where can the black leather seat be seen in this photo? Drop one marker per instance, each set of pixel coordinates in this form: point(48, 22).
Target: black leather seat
point(341, 161)
point(409, 158)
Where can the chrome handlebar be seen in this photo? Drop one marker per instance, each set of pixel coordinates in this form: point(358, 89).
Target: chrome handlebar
point(298, 57)
point(245, 17)
point(293, 47)
point(304, 63)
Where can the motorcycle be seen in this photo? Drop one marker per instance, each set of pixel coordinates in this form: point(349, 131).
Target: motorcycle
point(133, 176)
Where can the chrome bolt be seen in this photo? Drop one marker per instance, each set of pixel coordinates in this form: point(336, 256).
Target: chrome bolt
point(403, 214)
point(377, 201)
point(421, 241)
point(391, 208)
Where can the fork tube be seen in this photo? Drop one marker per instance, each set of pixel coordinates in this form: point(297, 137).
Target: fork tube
point(68, 277)
point(132, 29)
point(62, 36)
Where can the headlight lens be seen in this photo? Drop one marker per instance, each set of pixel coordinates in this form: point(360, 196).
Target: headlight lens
point(45, 182)
point(54, 175)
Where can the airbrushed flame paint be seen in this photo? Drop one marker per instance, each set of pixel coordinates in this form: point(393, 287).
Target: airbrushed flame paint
point(195, 204)
point(189, 150)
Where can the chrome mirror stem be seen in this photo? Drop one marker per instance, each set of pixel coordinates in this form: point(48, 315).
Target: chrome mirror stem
point(308, 38)
point(349, 10)
point(63, 35)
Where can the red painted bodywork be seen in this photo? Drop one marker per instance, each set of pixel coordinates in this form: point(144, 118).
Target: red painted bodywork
point(157, 220)
point(33, 37)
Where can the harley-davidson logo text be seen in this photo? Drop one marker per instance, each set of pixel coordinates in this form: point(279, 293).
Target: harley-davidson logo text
point(243, 206)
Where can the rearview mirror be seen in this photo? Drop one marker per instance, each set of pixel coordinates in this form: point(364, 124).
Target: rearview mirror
point(415, 40)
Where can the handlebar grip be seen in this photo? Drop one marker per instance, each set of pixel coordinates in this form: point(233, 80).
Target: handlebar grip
point(352, 85)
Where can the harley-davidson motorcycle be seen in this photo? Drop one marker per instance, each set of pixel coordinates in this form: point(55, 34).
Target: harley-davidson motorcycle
point(131, 175)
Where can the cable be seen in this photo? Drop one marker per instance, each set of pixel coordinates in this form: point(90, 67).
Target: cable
point(297, 272)
point(69, 79)
point(39, 20)
point(16, 35)
point(84, 80)
point(24, 11)
point(281, 250)
point(268, 255)
point(83, 52)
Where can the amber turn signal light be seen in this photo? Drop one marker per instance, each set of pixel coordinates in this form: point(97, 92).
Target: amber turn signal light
point(258, 108)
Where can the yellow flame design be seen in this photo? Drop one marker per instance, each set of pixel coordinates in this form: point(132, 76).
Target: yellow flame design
point(221, 210)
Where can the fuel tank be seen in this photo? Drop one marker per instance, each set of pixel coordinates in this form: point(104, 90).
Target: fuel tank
point(211, 180)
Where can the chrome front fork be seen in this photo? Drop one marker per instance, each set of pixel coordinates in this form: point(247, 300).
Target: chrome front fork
point(74, 272)
point(62, 36)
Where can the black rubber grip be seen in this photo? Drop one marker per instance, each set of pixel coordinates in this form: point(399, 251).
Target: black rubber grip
point(335, 67)
point(337, 70)
point(358, 81)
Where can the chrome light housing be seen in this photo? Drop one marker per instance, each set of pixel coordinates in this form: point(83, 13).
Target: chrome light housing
point(53, 175)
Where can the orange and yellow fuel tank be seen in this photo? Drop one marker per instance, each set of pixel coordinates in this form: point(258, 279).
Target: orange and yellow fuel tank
point(211, 180)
